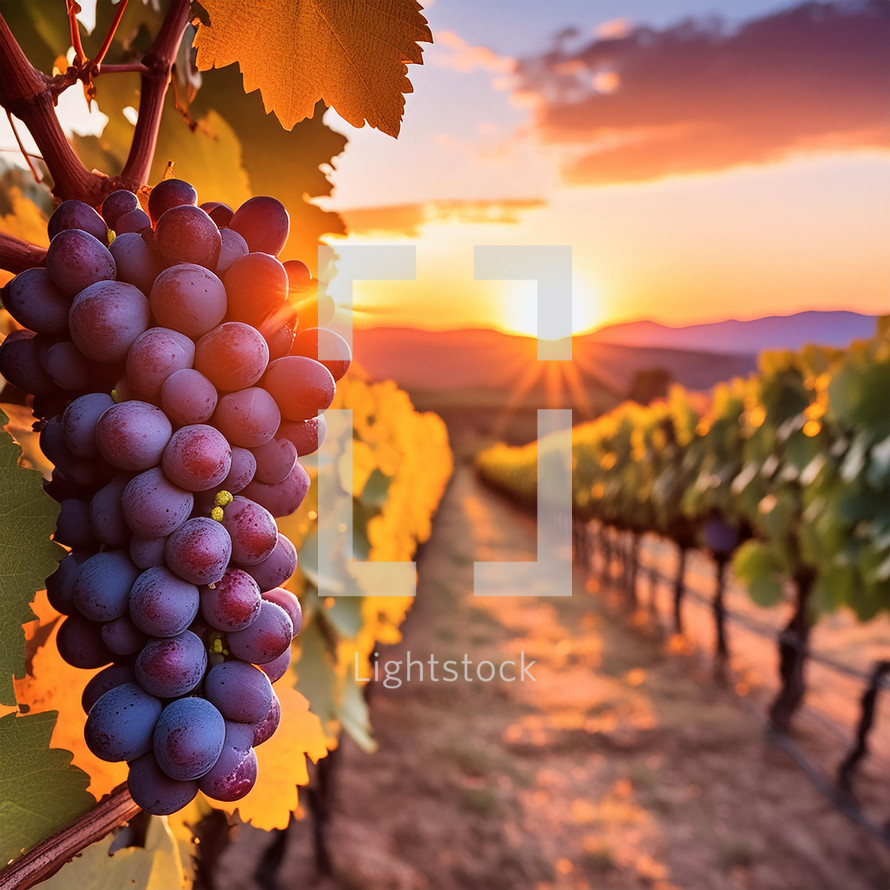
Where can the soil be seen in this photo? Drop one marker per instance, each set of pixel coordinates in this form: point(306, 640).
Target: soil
point(622, 766)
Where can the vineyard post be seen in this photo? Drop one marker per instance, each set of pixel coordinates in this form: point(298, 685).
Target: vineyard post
point(679, 587)
point(653, 591)
point(719, 608)
point(633, 568)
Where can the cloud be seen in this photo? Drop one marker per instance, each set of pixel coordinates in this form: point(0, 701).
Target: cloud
point(465, 58)
point(639, 104)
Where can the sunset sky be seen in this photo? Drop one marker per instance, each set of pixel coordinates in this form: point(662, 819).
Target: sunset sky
point(701, 168)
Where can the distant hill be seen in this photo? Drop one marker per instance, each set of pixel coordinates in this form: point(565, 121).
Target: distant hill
point(836, 328)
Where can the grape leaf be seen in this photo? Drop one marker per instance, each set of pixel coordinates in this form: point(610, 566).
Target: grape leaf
point(40, 792)
point(351, 54)
point(28, 556)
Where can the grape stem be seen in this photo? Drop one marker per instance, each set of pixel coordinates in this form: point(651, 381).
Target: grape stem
point(17, 255)
point(52, 853)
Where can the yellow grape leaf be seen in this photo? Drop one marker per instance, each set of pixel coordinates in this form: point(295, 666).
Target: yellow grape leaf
point(156, 866)
point(282, 765)
point(350, 54)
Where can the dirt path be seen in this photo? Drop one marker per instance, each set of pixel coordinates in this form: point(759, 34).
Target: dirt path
point(621, 767)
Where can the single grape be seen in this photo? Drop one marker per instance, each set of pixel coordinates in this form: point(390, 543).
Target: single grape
point(252, 529)
point(188, 298)
point(154, 791)
point(220, 213)
point(307, 435)
point(232, 247)
point(75, 260)
point(147, 552)
point(298, 274)
point(73, 525)
point(78, 425)
point(60, 584)
point(20, 364)
point(187, 397)
point(242, 471)
point(199, 550)
point(153, 357)
point(77, 215)
point(108, 678)
point(133, 435)
point(186, 234)
point(233, 603)
point(249, 417)
point(80, 643)
point(235, 771)
point(171, 666)
point(279, 332)
point(122, 637)
point(265, 729)
point(316, 310)
point(289, 602)
point(161, 604)
point(170, 193)
point(189, 738)
point(284, 498)
point(59, 488)
point(275, 460)
point(106, 318)
point(35, 302)
point(67, 366)
point(136, 261)
point(107, 521)
point(153, 506)
point(266, 638)
point(325, 346)
point(134, 222)
point(302, 387)
point(277, 668)
point(117, 204)
point(232, 356)
point(257, 287)
point(120, 726)
point(277, 567)
point(197, 457)
point(264, 223)
point(240, 691)
point(103, 585)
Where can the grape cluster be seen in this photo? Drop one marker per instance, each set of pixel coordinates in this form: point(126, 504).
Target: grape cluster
point(175, 386)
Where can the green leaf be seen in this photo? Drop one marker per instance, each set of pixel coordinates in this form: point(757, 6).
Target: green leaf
point(40, 792)
point(376, 489)
point(27, 519)
point(756, 565)
point(317, 676)
point(354, 715)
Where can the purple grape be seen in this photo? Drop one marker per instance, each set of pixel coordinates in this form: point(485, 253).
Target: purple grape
point(232, 247)
point(264, 223)
point(170, 193)
point(136, 261)
point(265, 729)
point(302, 387)
point(235, 771)
point(277, 567)
point(267, 637)
point(153, 790)
point(73, 525)
point(161, 604)
point(325, 346)
point(220, 213)
point(107, 521)
point(134, 222)
point(186, 234)
point(242, 471)
point(108, 678)
point(299, 275)
point(232, 356)
point(257, 287)
point(307, 435)
point(153, 506)
point(20, 364)
point(197, 457)
point(78, 424)
point(133, 435)
point(275, 461)
point(233, 603)
point(240, 691)
point(289, 602)
point(67, 366)
point(80, 643)
point(189, 738)
point(75, 260)
point(106, 318)
point(121, 724)
point(122, 637)
point(77, 215)
point(278, 331)
point(153, 357)
point(284, 498)
point(171, 666)
point(187, 397)
point(199, 551)
point(117, 204)
point(277, 668)
point(252, 529)
point(34, 301)
point(248, 418)
point(188, 298)
point(60, 584)
point(103, 585)
point(147, 552)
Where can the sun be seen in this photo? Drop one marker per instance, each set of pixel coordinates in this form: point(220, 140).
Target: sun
point(518, 308)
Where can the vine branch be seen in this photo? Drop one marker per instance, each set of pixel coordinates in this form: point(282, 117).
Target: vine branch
point(17, 255)
point(52, 853)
